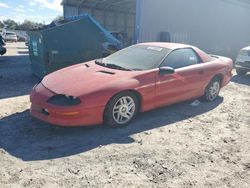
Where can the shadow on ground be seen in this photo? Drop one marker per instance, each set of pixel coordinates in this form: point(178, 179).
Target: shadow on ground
point(29, 139)
point(244, 80)
point(16, 78)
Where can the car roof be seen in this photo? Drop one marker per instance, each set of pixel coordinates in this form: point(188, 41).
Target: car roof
point(171, 46)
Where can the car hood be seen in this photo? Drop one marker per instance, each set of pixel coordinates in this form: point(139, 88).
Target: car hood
point(84, 78)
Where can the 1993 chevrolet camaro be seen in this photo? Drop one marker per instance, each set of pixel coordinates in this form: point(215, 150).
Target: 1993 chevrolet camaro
point(136, 79)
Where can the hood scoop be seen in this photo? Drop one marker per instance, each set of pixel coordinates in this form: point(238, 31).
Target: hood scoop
point(107, 72)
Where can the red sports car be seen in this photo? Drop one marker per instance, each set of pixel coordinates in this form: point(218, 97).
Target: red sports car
point(136, 79)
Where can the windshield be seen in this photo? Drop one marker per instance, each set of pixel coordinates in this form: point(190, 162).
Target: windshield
point(139, 57)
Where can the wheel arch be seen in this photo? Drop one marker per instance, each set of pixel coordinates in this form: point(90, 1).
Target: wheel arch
point(137, 94)
point(219, 76)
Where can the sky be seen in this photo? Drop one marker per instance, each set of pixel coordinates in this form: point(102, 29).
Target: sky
point(42, 11)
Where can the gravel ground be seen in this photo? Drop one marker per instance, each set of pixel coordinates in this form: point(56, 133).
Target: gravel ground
point(177, 146)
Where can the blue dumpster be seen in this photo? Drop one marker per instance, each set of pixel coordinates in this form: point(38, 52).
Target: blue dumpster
point(70, 41)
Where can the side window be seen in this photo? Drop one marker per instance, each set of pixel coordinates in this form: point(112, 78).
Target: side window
point(181, 58)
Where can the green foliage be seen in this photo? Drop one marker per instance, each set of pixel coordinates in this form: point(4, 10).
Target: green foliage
point(10, 24)
point(58, 18)
point(26, 25)
point(1, 24)
point(29, 25)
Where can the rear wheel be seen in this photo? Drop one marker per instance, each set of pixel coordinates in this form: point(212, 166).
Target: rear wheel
point(241, 72)
point(213, 90)
point(121, 109)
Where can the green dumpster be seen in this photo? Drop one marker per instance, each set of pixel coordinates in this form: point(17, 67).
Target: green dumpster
point(71, 41)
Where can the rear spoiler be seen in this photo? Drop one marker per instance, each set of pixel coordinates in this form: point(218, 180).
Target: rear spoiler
point(223, 59)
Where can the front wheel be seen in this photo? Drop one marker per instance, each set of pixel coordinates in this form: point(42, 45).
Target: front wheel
point(121, 109)
point(212, 90)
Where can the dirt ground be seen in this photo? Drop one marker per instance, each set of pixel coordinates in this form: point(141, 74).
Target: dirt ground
point(177, 146)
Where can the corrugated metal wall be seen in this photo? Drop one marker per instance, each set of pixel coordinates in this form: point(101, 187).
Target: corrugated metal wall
point(69, 11)
point(217, 26)
point(112, 21)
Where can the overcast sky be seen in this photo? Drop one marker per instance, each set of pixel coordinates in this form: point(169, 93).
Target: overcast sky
point(34, 10)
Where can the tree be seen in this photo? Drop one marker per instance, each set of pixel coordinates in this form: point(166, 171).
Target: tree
point(29, 25)
point(1, 24)
point(10, 24)
point(26, 25)
point(58, 18)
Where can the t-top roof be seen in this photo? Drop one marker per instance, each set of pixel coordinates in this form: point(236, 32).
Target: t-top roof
point(171, 46)
point(108, 5)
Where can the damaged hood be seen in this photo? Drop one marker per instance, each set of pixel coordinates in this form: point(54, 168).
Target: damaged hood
point(84, 79)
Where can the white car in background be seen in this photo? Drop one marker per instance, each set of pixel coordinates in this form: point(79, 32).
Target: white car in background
point(242, 63)
point(10, 36)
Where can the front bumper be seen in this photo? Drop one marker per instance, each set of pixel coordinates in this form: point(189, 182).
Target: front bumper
point(63, 116)
point(56, 116)
point(243, 65)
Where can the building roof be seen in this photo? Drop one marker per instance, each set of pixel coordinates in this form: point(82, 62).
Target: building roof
point(127, 6)
point(108, 5)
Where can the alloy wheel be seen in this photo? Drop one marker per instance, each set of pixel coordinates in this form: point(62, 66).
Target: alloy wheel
point(213, 91)
point(124, 110)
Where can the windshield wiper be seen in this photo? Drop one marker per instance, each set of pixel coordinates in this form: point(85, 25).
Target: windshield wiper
point(137, 69)
point(114, 66)
point(99, 62)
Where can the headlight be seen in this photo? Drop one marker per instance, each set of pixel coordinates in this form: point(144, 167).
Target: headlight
point(63, 100)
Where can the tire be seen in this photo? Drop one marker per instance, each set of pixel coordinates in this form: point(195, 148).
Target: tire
point(241, 72)
point(213, 89)
point(2, 50)
point(121, 109)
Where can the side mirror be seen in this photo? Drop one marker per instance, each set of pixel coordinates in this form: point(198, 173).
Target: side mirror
point(166, 70)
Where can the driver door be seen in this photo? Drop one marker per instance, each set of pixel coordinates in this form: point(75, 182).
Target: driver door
point(185, 83)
